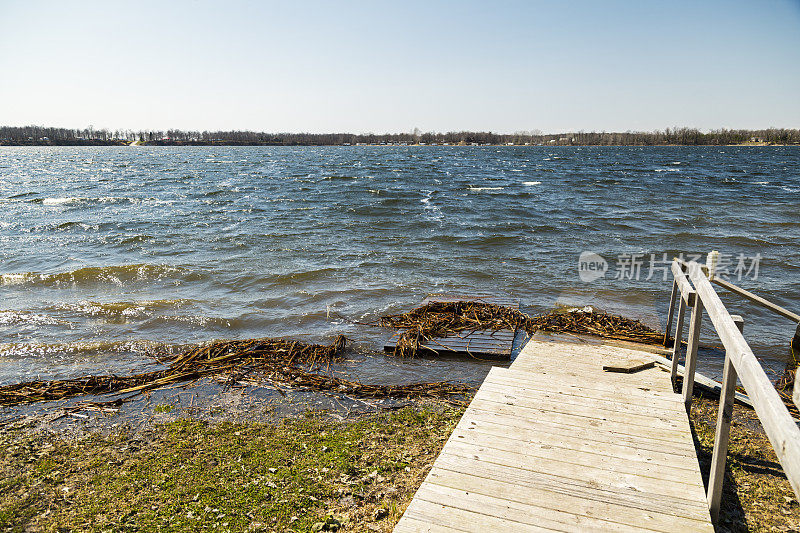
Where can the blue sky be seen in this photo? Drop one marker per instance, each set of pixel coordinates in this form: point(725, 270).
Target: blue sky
point(393, 66)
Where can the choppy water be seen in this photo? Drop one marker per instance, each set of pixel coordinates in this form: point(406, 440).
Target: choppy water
point(107, 253)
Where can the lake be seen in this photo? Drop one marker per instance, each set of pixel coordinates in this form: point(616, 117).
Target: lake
point(109, 254)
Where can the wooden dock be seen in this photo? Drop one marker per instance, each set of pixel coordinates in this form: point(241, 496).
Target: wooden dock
point(554, 443)
point(493, 344)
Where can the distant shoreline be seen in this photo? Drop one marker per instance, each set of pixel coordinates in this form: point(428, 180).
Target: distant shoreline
point(47, 136)
point(345, 145)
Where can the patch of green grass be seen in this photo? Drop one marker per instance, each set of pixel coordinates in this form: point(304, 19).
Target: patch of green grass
point(193, 476)
point(756, 494)
point(163, 408)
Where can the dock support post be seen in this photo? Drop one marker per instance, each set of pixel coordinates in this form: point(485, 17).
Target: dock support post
point(795, 346)
point(690, 365)
point(676, 349)
point(726, 399)
point(671, 312)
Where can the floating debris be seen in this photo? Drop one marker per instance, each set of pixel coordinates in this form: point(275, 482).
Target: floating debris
point(446, 319)
point(277, 361)
point(297, 364)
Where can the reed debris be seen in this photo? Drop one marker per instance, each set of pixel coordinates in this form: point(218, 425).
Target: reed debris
point(291, 363)
point(449, 319)
point(300, 365)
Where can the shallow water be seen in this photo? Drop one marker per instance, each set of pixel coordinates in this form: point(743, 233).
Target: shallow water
point(111, 253)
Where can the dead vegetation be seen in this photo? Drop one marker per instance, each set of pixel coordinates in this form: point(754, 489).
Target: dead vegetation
point(756, 494)
point(279, 362)
point(448, 319)
point(785, 383)
point(295, 364)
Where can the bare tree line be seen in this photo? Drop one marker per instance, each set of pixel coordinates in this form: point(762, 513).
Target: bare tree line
point(40, 135)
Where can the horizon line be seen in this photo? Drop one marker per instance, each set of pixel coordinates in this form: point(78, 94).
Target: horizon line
point(415, 131)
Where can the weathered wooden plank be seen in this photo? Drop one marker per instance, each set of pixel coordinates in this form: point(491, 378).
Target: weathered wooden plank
point(465, 520)
point(722, 433)
point(588, 340)
point(572, 363)
point(700, 381)
point(664, 436)
point(512, 438)
point(663, 408)
point(556, 443)
point(671, 312)
point(501, 377)
point(413, 525)
point(758, 300)
point(477, 342)
point(567, 361)
point(657, 419)
point(645, 380)
point(588, 389)
point(587, 346)
point(686, 291)
point(599, 435)
point(528, 513)
point(611, 476)
point(628, 367)
point(617, 494)
point(657, 519)
point(676, 348)
point(510, 452)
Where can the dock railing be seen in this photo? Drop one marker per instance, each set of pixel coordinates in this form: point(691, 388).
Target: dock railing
point(697, 293)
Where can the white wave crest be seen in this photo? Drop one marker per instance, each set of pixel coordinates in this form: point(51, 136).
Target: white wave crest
point(481, 189)
point(60, 201)
point(13, 318)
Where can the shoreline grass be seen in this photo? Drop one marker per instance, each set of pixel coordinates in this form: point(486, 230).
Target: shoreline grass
point(306, 473)
point(756, 494)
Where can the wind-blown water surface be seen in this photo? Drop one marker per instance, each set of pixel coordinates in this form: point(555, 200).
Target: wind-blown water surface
point(106, 253)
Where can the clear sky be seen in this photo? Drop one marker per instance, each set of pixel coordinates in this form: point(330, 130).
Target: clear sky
point(379, 66)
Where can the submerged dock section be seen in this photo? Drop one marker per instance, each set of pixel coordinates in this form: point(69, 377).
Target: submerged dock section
point(480, 343)
point(555, 443)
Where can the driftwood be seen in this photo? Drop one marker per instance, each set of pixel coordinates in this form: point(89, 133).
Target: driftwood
point(282, 361)
point(447, 319)
point(301, 365)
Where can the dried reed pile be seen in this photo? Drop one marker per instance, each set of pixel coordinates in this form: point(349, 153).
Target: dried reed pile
point(787, 382)
point(290, 363)
point(275, 355)
point(448, 319)
point(600, 324)
point(299, 365)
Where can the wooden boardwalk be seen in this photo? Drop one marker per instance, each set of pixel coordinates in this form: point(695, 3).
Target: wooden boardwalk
point(554, 443)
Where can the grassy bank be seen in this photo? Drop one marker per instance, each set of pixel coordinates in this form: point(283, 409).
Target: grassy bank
point(756, 494)
point(306, 473)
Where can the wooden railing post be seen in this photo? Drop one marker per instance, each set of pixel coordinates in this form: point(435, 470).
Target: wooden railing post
point(726, 399)
point(691, 352)
point(672, 312)
point(795, 346)
point(676, 349)
point(778, 424)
